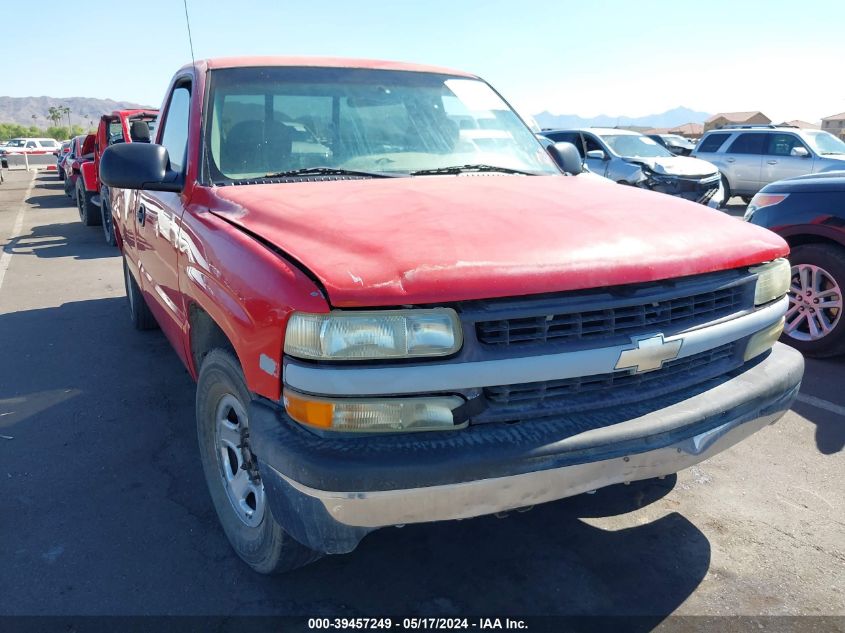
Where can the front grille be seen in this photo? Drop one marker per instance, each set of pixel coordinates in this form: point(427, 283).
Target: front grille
point(563, 327)
point(571, 395)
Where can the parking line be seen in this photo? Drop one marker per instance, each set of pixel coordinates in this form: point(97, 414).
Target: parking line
point(821, 404)
point(6, 256)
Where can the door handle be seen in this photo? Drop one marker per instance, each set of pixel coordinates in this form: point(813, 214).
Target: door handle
point(772, 162)
point(730, 160)
point(141, 215)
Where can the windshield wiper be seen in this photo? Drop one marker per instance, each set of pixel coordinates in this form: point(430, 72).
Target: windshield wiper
point(831, 153)
point(459, 169)
point(328, 171)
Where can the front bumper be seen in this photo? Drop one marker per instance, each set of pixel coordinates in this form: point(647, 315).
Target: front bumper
point(329, 493)
point(707, 191)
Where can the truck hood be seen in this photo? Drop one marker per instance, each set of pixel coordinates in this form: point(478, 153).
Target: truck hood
point(677, 165)
point(436, 239)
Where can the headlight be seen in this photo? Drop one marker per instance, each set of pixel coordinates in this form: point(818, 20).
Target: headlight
point(374, 415)
point(762, 200)
point(773, 280)
point(382, 334)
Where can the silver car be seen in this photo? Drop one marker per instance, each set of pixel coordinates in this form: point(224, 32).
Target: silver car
point(750, 157)
point(631, 158)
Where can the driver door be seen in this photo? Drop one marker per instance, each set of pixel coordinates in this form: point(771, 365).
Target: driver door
point(597, 165)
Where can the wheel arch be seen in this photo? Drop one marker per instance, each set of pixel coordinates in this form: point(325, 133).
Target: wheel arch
point(812, 236)
point(204, 335)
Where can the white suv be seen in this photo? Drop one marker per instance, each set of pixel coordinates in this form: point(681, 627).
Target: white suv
point(750, 157)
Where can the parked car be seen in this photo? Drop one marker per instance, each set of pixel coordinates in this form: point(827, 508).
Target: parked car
point(630, 158)
point(64, 150)
point(809, 213)
point(750, 157)
point(30, 146)
point(675, 143)
point(121, 126)
point(420, 329)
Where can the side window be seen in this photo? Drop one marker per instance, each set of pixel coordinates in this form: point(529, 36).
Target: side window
point(115, 132)
point(591, 143)
point(174, 137)
point(30, 144)
point(712, 143)
point(748, 144)
point(783, 144)
point(567, 137)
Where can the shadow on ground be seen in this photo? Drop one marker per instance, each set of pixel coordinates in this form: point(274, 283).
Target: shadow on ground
point(104, 471)
point(62, 239)
point(830, 426)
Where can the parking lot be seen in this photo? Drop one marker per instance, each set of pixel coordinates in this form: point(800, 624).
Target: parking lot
point(105, 508)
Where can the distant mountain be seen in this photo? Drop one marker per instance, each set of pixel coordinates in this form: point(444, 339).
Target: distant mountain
point(670, 118)
point(20, 109)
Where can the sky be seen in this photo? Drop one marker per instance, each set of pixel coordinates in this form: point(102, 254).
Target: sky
point(584, 57)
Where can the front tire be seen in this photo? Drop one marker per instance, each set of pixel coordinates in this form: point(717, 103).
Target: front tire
point(815, 324)
point(106, 219)
point(231, 470)
point(139, 312)
point(89, 215)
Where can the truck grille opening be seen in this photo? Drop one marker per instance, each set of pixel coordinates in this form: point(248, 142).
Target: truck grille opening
point(570, 395)
point(613, 321)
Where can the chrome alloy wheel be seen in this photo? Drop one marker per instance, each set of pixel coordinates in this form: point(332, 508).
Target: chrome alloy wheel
point(237, 465)
point(815, 303)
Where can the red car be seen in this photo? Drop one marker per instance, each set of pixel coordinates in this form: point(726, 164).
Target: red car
point(419, 328)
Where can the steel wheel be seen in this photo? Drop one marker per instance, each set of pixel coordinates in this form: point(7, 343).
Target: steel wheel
point(815, 303)
point(237, 467)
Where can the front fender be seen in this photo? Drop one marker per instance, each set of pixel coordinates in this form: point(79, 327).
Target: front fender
point(89, 176)
point(630, 173)
point(248, 290)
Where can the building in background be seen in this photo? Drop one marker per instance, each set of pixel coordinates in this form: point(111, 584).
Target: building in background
point(804, 125)
point(735, 118)
point(687, 130)
point(835, 124)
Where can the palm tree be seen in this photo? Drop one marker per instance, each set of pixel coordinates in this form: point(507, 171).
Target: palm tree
point(55, 115)
point(66, 110)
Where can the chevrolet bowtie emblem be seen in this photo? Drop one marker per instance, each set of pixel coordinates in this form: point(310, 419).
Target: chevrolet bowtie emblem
point(649, 353)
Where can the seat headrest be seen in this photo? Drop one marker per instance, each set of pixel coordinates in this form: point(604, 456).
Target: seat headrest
point(139, 132)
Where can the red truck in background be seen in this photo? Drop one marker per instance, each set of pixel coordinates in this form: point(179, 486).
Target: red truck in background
point(390, 324)
point(81, 152)
point(92, 196)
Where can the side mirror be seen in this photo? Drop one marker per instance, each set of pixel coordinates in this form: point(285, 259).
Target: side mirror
point(598, 154)
point(139, 166)
point(799, 151)
point(567, 157)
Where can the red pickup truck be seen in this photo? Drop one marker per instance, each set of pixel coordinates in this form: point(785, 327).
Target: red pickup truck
point(92, 196)
point(390, 323)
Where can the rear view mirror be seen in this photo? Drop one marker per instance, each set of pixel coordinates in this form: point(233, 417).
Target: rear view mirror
point(139, 166)
point(567, 157)
point(597, 154)
point(799, 151)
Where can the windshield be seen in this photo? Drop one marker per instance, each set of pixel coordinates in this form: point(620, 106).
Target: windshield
point(824, 143)
point(16, 142)
point(270, 120)
point(635, 146)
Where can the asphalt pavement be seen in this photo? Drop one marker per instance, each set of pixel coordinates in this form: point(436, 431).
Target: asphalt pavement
point(104, 508)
